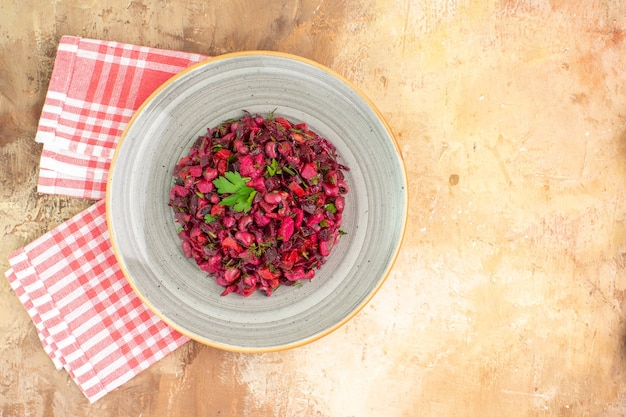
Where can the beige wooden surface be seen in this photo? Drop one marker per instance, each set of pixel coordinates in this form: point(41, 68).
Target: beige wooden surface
point(508, 297)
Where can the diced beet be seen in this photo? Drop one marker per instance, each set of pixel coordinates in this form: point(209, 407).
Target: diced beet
point(181, 172)
point(273, 198)
point(214, 198)
point(254, 130)
point(298, 274)
point(183, 218)
point(227, 138)
point(298, 218)
point(223, 154)
point(260, 219)
point(270, 255)
point(325, 247)
point(217, 210)
point(285, 231)
point(267, 207)
point(246, 167)
point(195, 171)
point(249, 281)
point(179, 191)
point(221, 166)
point(205, 186)
point(289, 259)
point(329, 223)
point(228, 221)
point(249, 259)
point(230, 243)
point(295, 275)
point(293, 160)
point(266, 273)
point(210, 174)
point(195, 233)
point(214, 264)
point(229, 289)
point(296, 189)
point(231, 275)
point(273, 183)
point(309, 170)
point(259, 162)
point(330, 189)
point(308, 208)
point(324, 234)
point(258, 184)
point(274, 216)
point(315, 219)
point(284, 148)
point(283, 122)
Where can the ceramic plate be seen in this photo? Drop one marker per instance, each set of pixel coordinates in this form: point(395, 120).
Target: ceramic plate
point(144, 234)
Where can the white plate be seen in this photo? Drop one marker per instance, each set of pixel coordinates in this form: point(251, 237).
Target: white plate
point(144, 235)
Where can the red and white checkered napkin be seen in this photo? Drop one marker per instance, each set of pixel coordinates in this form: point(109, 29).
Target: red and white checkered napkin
point(95, 88)
point(89, 320)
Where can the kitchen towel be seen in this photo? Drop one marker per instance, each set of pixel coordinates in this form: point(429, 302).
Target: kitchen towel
point(87, 317)
point(95, 88)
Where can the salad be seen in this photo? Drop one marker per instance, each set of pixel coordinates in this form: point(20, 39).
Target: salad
point(259, 202)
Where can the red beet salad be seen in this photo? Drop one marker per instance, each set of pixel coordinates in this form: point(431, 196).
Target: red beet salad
point(259, 203)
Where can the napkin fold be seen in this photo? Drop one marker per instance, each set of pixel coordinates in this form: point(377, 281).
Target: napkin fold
point(87, 317)
point(94, 90)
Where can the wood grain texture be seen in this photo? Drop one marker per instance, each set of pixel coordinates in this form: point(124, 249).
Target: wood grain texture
point(509, 294)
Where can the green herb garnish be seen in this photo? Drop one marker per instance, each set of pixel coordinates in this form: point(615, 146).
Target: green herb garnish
point(273, 168)
point(289, 170)
point(240, 195)
point(208, 218)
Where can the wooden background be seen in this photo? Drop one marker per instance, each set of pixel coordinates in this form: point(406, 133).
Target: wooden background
point(508, 297)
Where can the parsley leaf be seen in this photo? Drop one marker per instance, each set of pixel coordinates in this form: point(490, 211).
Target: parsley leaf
point(230, 183)
point(208, 218)
point(330, 207)
point(273, 168)
point(240, 195)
